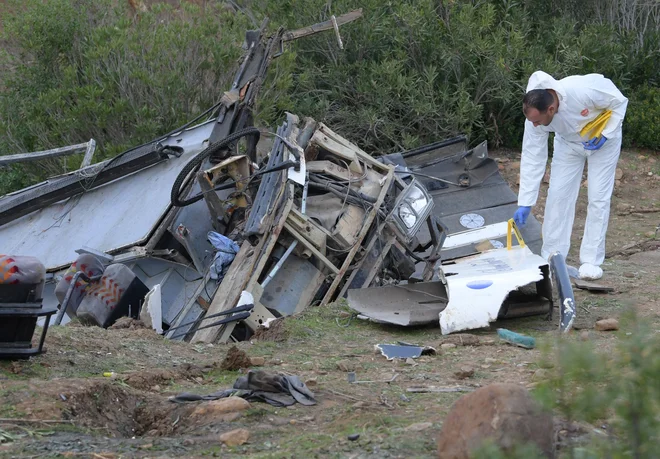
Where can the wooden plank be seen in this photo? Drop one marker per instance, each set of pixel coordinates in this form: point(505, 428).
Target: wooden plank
point(330, 134)
point(363, 233)
point(322, 26)
point(311, 248)
point(37, 155)
point(251, 276)
point(89, 153)
point(308, 229)
point(230, 289)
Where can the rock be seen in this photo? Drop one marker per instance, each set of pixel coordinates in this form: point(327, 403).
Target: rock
point(217, 409)
point(617, 183)
point(353, 437)
point(447, 346)
point(650, 174)
point(515, 165)
point(410, 361)
point(622, 207)
point(418, 427)
point(235, 437)
point(346, 365)
point(607, 325)
point(584, 335)
point(464, 373)
point(618, 175)
point(360, 404)
point(257, 361)
point(629, 275)
point(490, 360)
point(503, 413)
point(541, 375)
point(235, 360)
point(311, 382)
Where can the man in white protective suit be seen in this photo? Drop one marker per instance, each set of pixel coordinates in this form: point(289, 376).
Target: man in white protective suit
point(586, 113)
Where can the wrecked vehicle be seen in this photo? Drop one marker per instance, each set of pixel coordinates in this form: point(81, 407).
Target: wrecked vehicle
point(205, 237)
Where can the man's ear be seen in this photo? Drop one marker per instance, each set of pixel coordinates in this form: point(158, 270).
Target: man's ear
point(552, 109)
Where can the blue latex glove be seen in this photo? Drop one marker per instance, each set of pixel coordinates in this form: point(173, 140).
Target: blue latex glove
point(595, 143)
point(520, 217)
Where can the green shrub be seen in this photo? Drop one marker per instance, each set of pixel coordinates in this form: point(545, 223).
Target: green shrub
point(617, 389)
point(642, 124)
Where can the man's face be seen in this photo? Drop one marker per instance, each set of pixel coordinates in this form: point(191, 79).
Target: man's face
point(538, 118)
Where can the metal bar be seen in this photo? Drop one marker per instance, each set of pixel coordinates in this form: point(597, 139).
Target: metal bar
point(246, 307)
point(44, 331)
point(236, 318)
point(37, 155)
point(279, 264)
point(565, 290)
point(87, 160)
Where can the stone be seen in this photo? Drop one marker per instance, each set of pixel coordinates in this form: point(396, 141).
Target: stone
point(622, 207)
point(490, 360)
point(218, 408)
point(360, 404)
point(235, 437)
point(311, 382)
point(346, 365)
point(257, 361)
point(515, 165)
point(418, 427)
point(584, 335)
point(618, 175)
point(446, 346)
point(464, 373)
point(353, 437)
point(617, 183)
point(410, 361)
point(505, 414)
point(607, 325)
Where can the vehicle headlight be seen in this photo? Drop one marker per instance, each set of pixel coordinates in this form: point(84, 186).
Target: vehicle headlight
point(412, 208)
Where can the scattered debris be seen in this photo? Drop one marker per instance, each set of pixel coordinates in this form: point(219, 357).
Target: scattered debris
point(591, 286)
point(353, 379)
point(353, 437)
point(607, 325)
point(398, 351)
point(516, 339)
point(263, 386)
point(235, 360)
point(504, 413)
point(424, 389)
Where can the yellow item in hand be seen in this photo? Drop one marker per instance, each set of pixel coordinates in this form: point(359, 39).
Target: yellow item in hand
point(594, 128)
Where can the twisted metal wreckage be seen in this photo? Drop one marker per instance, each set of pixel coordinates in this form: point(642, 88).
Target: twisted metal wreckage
point(240, 239)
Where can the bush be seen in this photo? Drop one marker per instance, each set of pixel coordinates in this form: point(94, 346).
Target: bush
point(87, 69)
point(619, 389)
point(642, 124)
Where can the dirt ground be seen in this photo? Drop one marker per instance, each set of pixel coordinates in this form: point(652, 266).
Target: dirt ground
point(60, 404)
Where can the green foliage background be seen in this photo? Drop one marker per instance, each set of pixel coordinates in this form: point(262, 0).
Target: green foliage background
point(412, 71)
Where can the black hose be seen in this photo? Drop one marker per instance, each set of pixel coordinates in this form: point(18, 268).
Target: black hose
point(197, 161)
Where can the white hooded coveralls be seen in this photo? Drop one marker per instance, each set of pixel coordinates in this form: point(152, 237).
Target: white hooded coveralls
point(581, 99)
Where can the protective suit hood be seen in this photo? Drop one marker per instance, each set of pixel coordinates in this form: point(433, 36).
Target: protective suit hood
point(542, 80)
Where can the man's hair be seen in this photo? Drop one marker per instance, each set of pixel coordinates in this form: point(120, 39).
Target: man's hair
point(539, 99)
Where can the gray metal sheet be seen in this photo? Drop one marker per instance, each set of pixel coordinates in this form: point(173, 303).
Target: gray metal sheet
point(114, 216)
point(411, 304)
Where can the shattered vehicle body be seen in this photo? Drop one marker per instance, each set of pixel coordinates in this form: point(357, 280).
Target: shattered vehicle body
point(208, 239)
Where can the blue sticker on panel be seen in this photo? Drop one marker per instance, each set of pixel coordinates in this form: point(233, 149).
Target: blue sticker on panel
point(479, 284)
